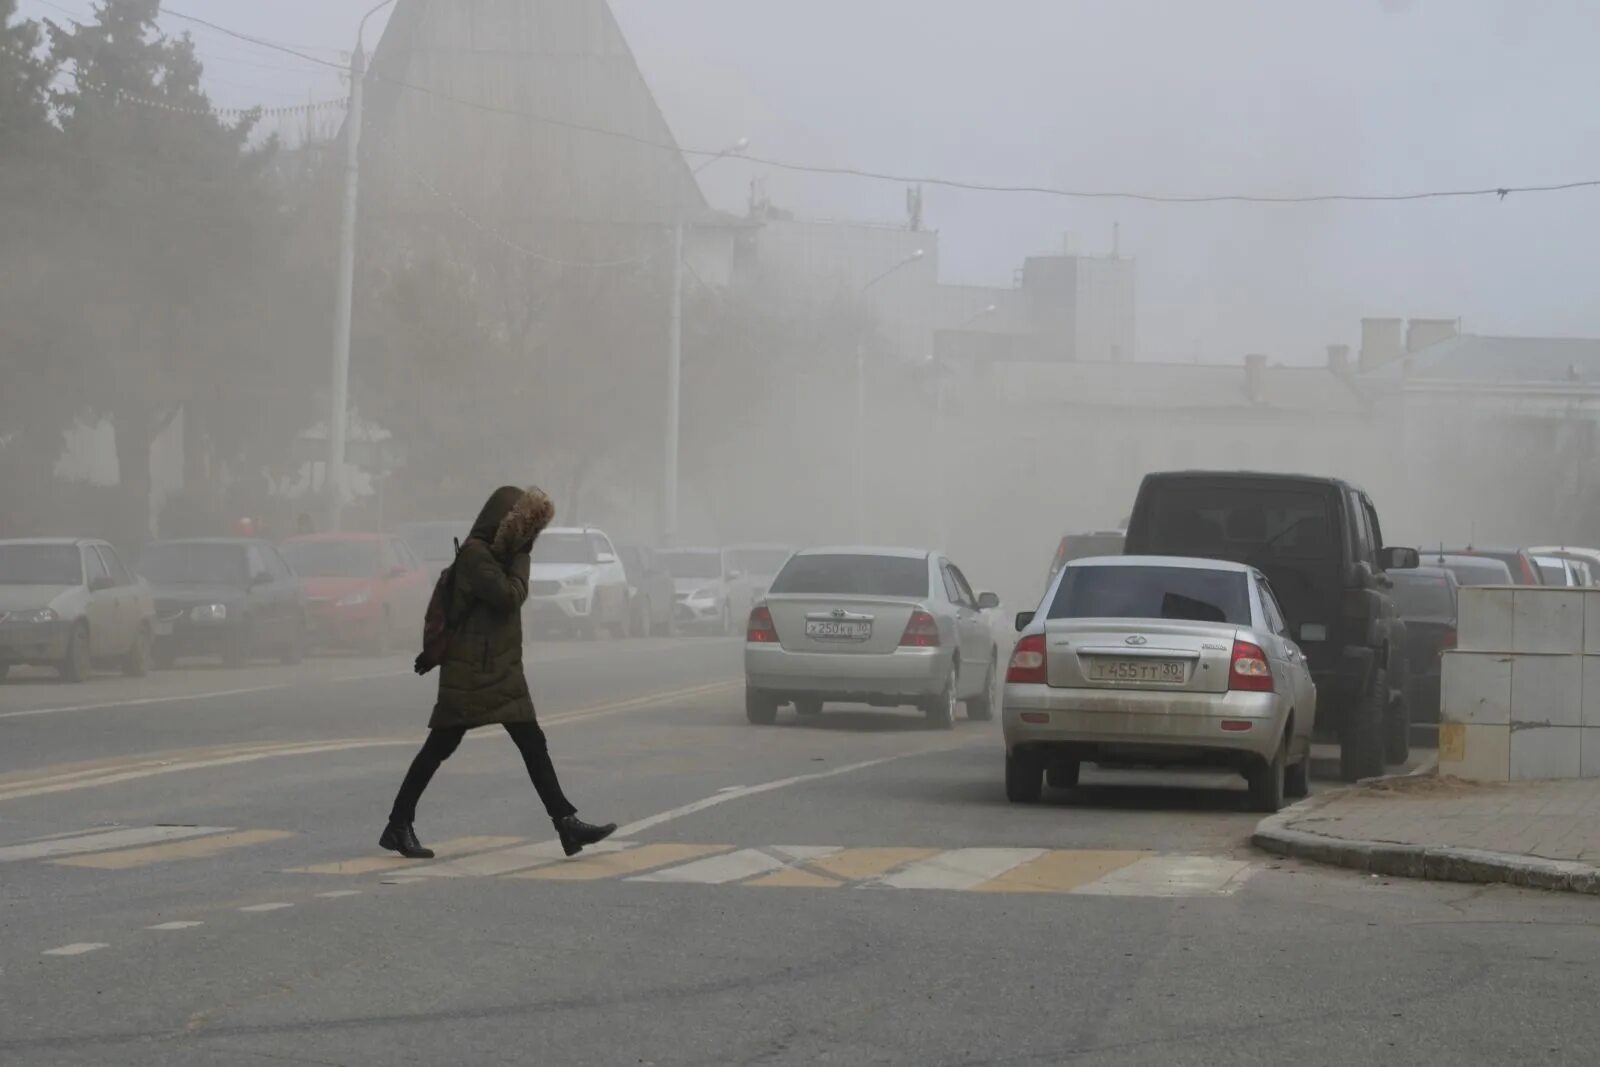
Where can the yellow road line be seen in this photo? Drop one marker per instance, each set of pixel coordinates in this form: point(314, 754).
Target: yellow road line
point(620, 864)
point(458, 846)
point(859, 864)
point(189, 849)
point(1060, 871)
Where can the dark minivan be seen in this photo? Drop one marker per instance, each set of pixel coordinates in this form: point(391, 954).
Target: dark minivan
point(1427, 600)
point(1320, 545)
point(228, 597)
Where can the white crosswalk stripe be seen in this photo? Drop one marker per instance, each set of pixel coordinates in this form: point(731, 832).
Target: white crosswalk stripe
point(103, 842)
point(960, 868)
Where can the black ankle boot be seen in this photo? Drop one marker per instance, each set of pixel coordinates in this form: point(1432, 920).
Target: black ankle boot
point(400, 837)
point(575, 833)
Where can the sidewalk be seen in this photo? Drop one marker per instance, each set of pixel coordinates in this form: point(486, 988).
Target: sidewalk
point(1543, 835)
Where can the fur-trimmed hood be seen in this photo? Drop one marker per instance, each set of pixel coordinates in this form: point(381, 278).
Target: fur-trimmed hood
point(512, 518)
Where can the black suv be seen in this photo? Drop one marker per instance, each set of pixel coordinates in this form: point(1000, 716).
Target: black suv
point(1319, 543)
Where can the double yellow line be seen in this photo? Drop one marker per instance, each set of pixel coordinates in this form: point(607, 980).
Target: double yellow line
point(127, 770)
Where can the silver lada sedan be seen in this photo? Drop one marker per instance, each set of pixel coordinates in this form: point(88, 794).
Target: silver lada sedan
point(1155, 660)
point(879, 626)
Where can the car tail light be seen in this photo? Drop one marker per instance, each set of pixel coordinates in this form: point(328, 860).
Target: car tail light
point(1449, 639)
point(922, 631)
point(761, 630)
point(1028, 662)
point(1249, 670)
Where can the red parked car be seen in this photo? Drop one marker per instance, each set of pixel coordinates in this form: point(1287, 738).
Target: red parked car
point(363, 591)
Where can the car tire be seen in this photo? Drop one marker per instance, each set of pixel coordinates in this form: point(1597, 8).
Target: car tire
point(1397, 730)
point(808, 707)
point(137, 662)
point(981, 708)
point(76, 666)
point(759, 708)
point(1361, 741)
point(164, 654)
point(1063, 775)
point(940, 708)
point(1267, 780)
point(1024, 778)
point(1297, 780)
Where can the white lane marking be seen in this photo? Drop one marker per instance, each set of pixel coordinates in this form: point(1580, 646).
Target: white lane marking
point(141, 702)
point(1172, 876)
point(507, 860)
point(277, 905)
point(72, 846)
point(805, 852)
point(717, 870)
point(77, 948)
point(334, 894)
point(175, 926)
point(959, 868)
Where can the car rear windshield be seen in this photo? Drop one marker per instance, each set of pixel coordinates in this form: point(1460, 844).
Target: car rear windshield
point(1423, 596)
point(1239, 523)
point(194, 564)
point(863, 575)
point(562, 548)
point(1188, 593)
point(332, 559)
point(692, 564)
point(1476, 571)
point(434, 542)
point(40, 565)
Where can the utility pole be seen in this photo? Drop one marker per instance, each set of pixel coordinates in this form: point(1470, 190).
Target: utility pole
point(339, 404)
point(669, 496)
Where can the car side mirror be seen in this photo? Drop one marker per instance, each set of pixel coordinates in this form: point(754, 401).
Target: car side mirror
point(988, 601)
point(1401, 559)
point(102, 583)
point(1025, 619)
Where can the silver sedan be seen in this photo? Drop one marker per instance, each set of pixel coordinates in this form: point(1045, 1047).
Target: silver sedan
point(879, 626)
point(1155, 660)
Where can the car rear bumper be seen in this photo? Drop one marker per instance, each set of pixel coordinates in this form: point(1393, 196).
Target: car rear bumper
point(34, 642)
point(861, 676)
point(1164, 727)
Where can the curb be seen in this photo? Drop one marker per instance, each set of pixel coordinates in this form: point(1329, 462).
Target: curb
point(1275, 834)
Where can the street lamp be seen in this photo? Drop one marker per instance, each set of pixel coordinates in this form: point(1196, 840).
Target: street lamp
point(669, 488)
point(860, 474)
point(339, 401)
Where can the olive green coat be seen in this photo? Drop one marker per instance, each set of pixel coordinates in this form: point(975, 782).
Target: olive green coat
point(481, 680)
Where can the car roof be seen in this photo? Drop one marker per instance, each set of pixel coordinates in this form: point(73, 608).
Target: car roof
point(1483, 550)
point(866, 550)
point(1183, 562)
point(1456, 559)
point(1254, 476)
point(53, 541)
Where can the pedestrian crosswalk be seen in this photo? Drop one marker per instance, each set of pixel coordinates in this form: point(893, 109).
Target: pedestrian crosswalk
point(978, 869)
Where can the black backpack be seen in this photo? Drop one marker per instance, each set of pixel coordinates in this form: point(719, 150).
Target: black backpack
point(437, 626)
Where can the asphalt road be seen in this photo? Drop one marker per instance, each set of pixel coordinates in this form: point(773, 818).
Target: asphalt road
point(189, 875)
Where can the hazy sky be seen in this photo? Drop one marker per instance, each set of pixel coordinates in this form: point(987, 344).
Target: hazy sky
point(1167, 96)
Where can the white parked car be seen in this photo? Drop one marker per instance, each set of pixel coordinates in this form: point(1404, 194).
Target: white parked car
point(881, 626)
point(576, 584)
point(70, 604)
point(1158, 660)
point(709, 591)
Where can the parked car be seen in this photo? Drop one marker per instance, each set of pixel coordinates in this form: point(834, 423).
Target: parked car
point(363, 590)
point(757, 566)
point(1319, 542)
point(1524, 571)
point(708, 593)
point(1085, 546)
point(1472, 570)
point(880, 626)
point(1554, 570)
point(1159, 661)
point(651, 595)
point(236, 598)
point(1589, 557)
point(1427, 599)
point(577, 584)
point(70, 604)
point(434, 543)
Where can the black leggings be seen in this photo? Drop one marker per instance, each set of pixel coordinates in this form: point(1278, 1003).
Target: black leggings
point(442, 743)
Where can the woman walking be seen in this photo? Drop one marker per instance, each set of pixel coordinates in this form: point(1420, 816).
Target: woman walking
point(481, 682)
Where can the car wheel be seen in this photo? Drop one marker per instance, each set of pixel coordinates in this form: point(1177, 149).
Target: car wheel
point(1297, 780)
point(165, 654)
point(295, 651)
point(759, 708)
point(1397, 730)
point(1266, 780)
point(1063, 775)
point(1361, 741)
point(808, 706)
point(981, 708)
point(1024, 778)
point(941, 708)
point(137, 663)
point(75, 668)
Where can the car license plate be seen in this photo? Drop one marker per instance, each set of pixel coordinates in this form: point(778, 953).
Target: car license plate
point(1167, 671)
point(839, 629)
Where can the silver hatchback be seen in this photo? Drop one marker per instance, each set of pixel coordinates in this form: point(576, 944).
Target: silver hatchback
point(1155, 660)
point(879, 626)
